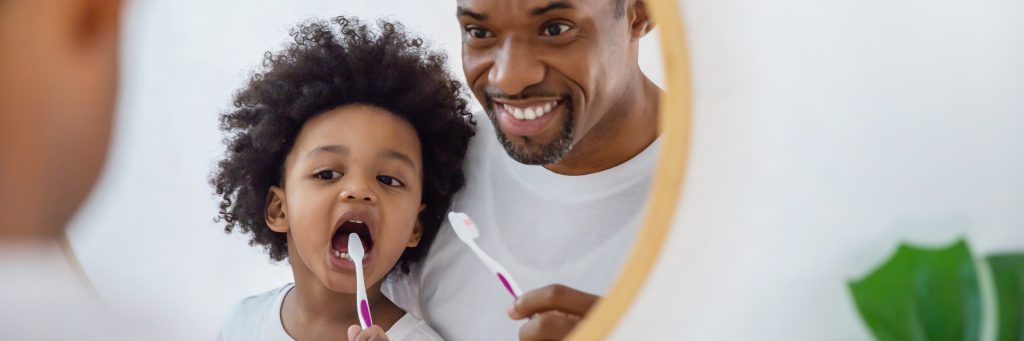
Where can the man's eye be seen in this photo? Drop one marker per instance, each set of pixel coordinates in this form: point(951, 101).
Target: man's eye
point(477, 32)
point(556, 29)
point(327, 175)
point(389, 181)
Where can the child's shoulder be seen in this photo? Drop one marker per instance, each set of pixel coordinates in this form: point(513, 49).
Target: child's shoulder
point(260, 303)
point(256, 315)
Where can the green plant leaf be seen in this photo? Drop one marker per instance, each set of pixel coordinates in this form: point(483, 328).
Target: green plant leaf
point(922, 294)
point(1008, 276)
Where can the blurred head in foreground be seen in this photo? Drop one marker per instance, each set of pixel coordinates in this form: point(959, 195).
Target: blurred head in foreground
point(58, 81)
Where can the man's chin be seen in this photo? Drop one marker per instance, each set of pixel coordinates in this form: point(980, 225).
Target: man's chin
point(533, 155)
point(538, 149)
point(530, 151)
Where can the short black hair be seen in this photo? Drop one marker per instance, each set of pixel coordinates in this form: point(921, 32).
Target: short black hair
point(620, 8)
point(330, 64)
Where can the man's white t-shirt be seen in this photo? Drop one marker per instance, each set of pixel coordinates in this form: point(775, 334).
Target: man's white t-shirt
point(258, 317)
point(545, 228)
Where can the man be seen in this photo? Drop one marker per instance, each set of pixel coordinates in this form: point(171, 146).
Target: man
point(58, 80)
point(576, 119)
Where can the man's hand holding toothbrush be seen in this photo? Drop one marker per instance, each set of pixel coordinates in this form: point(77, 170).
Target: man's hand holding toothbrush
point(553, 311)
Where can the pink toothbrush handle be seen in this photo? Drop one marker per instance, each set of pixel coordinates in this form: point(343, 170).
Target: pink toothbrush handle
point(364, 313)
point(507, 286)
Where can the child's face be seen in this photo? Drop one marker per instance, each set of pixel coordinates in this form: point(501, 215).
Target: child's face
point(352, 169)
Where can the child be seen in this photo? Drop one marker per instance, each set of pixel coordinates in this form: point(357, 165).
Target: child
point(350, 129)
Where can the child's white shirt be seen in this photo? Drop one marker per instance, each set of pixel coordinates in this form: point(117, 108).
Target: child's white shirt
point(258, 317)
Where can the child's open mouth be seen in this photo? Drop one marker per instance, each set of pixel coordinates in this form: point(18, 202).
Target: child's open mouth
point(351, 223)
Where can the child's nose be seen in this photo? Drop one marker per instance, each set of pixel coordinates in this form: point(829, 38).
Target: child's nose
point(358, 193)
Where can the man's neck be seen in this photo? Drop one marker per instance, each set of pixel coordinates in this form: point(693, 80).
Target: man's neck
point(618, 138)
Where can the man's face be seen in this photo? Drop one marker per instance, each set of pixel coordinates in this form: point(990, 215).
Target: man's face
point(546, 71)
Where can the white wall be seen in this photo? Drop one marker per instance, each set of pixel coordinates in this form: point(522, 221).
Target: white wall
point(825, 133)
point(146, 237)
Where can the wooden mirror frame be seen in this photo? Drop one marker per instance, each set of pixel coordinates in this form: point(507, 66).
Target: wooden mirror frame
point(674, 120)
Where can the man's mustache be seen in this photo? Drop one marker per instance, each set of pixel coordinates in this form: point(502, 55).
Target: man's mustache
point(534, 91)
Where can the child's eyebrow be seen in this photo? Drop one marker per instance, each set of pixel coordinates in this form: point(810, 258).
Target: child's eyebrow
point(334, 148)
point(396, 155)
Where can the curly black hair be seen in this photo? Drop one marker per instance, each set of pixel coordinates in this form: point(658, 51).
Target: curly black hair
point(326, 66)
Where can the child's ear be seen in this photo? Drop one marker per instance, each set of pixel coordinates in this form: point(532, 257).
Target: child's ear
point(417, 231)
point(277, 210)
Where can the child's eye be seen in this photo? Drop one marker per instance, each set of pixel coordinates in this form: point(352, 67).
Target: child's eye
point(327, 175)
point(555, 29)
point(389, 181)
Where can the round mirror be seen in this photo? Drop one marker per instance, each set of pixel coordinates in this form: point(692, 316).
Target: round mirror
point(146, 239)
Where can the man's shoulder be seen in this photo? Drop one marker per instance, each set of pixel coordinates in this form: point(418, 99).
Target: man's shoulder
point(483, 129)
point(483, 145)
point(411, 328)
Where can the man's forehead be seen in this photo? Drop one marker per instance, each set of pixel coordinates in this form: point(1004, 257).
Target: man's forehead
point(475, 8)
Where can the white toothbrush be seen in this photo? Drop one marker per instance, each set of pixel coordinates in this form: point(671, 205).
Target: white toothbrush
point(355, 251)
point(466, 229)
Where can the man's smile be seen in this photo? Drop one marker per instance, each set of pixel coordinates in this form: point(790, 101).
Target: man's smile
point(527, 118)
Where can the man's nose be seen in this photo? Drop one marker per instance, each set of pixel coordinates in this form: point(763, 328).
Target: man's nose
point(515, 68)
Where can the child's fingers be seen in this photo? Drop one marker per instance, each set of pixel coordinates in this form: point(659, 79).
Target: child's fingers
point(353, 330)
point(374, 333)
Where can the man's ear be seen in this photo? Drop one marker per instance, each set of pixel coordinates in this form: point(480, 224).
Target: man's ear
point(639, 19)
point(277, 210)
point(417, 230)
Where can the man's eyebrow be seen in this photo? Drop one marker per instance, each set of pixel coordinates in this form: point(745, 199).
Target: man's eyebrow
point(334, 149)
point(462, 12)
point(396, 155)
point(551, 7)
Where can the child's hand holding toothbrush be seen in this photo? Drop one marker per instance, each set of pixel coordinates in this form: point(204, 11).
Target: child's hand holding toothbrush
point(366, 330)
point(553, 311)
point(373, 333)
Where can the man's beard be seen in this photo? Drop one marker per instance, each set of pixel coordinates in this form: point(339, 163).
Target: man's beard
point(550, 153)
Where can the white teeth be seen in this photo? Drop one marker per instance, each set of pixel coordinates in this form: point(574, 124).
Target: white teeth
point(342, 255)
point(531, 113)
point(518, 113)
point(356, 221)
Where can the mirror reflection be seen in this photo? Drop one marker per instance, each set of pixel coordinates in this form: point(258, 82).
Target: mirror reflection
point(258, 148)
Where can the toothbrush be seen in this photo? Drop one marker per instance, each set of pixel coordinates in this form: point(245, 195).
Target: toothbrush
point(466, 229)
point(355, 251)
